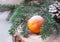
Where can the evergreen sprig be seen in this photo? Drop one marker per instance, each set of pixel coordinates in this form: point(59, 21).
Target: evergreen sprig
point(25, 11)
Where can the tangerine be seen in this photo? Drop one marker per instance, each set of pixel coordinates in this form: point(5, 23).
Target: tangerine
point(35, 23)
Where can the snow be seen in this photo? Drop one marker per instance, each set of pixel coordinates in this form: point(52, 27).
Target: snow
point(36, 17)
point(4, 27)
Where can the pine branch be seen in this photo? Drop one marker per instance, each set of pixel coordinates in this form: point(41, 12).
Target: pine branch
point(25, 11)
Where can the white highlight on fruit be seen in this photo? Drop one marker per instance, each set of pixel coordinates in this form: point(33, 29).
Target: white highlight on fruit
point(36, 17)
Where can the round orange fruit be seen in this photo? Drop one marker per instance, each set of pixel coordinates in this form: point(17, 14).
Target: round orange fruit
point(35, 23)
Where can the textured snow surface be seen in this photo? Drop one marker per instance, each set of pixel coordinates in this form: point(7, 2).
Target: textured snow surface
point(4, 27)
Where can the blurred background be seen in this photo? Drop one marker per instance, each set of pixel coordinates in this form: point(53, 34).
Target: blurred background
point(5, 25)
point(13, 20)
